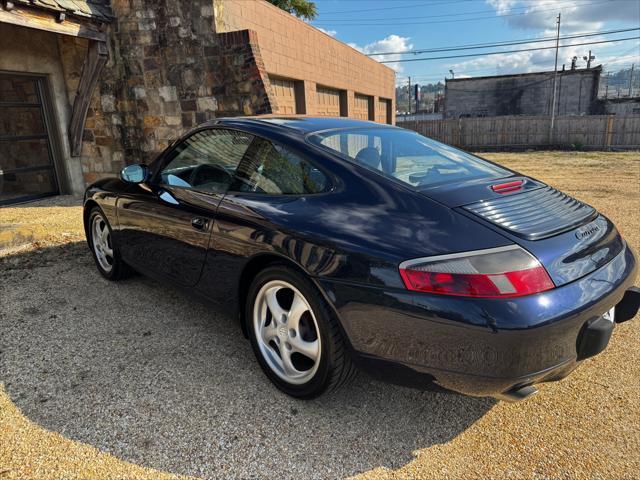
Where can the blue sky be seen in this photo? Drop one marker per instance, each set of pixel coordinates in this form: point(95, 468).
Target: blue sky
point(375, 26)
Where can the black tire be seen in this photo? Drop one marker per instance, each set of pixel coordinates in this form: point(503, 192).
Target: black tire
point(335, 366)
point(118, 269)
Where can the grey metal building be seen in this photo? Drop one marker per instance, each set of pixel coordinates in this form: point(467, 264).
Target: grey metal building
point(622, 106)
point(523, 94)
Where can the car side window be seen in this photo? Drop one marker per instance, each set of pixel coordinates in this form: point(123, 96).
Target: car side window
point(206, 161)
point(273, 169)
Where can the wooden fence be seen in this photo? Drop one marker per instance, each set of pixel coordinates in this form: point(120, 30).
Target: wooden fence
point(593, 132)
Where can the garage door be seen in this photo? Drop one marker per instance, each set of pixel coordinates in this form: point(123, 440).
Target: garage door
point(26, 162)
point(361, 107)
point(383, 110)
point(285, 92)
point(328, 102)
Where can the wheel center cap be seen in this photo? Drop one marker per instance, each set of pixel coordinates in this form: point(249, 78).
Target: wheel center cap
point(282, 332)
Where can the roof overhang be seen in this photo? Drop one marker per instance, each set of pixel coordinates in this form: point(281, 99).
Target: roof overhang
point(55, 19)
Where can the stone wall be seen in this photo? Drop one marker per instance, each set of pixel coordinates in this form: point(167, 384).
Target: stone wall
point(243, 83)
point(168, 71)
point(103, 150)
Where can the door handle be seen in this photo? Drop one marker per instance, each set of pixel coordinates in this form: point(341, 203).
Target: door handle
point(198, 222)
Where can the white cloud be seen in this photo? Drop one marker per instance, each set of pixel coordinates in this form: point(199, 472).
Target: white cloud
point(543, 60)
point(331, 33)
point(502, 6)
point(542, 17)
point(392, 43)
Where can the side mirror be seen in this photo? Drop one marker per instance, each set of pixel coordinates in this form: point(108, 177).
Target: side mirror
point(135, 173)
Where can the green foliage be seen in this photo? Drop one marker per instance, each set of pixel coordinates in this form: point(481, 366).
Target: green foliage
point(300, 8)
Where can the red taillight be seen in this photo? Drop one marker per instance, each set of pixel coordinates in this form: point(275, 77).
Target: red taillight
point(507, 186)
point(499, 272)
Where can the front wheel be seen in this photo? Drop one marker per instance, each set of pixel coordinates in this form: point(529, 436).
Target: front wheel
point(295, 338)
point(105, 251)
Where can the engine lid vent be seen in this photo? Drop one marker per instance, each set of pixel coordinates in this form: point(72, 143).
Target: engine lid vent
point(534, 214)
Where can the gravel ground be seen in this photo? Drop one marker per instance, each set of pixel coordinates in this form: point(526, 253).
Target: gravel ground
point(125, 380)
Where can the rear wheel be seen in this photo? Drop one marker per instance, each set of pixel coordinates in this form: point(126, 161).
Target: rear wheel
point(294, 336)
point(105, 251)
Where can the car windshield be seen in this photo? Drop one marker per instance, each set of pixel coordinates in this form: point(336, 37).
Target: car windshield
point(406, 156)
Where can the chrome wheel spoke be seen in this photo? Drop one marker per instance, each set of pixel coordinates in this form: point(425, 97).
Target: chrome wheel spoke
point(104, 236)
point(268, 333)
point(287, 364)
point(107, 250)
point(298, 308)
point(277, 312)
point(308, 349)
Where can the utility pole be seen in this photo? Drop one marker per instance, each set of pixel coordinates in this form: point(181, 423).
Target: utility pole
point(555, 84)
point(631, 79)
point(589, 59)
point(409, 92)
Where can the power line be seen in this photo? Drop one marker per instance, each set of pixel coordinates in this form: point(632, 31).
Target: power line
point(508, 51)
point(503, 43)
point(492, 17)
point(444, 74)
point(359, 10)
point(459, 14)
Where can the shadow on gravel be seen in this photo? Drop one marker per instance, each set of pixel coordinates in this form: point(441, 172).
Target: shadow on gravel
point(152, 376)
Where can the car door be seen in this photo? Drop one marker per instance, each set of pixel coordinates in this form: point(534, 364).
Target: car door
point(271, 189)
point(165, 224)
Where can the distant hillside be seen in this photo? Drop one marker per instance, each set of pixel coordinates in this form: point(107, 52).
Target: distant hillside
point(428, 94)
point(619, 81)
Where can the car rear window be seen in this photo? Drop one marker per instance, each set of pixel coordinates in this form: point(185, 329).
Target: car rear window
point(406, 156)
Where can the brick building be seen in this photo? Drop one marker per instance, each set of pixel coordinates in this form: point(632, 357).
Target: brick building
point(87, 86)
point(523, 94)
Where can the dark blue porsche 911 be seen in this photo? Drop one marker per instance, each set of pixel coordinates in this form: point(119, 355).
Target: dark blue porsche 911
point(341, 244)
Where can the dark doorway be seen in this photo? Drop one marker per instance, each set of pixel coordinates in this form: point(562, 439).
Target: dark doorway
point(26, 156)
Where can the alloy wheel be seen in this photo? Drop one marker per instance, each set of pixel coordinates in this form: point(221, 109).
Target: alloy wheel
point(287, 332)
point(102, 246)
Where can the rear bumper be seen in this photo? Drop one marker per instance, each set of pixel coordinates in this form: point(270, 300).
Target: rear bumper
point(628, 306)
point(482, 347)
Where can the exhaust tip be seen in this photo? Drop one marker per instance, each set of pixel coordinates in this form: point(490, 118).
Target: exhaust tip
point(517, 394)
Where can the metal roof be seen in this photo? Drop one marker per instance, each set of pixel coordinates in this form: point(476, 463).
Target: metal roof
point(92, 9)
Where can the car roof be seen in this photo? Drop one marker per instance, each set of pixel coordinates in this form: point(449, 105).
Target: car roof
point(300, 124)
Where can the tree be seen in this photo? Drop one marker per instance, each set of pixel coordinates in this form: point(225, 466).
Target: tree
point(300, 8)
